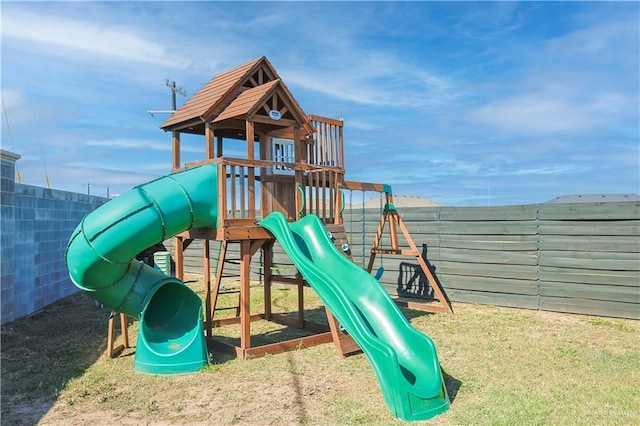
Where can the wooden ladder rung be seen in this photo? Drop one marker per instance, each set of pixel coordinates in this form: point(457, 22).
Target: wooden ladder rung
point(231, 274)
point(230, 291)
point(395, 251)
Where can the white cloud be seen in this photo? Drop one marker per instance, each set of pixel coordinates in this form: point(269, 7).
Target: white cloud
point(487, 21)
point(376, 84)
point(558, 169)
point(93, 38)
point(600, 42)
point(143, 144)
point(14, 111)
point(440, 98)
point(548, 112)
point(129, 144)
point(572, 84)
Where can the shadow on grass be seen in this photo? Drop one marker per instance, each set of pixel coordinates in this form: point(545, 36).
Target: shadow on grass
point(412, 282)
point(43, 352)
point(264, 332)
point(303, 413)
point(452, 385)
point(415, 313)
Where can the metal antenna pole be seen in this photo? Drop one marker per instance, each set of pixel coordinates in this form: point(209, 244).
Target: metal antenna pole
point(174, 89)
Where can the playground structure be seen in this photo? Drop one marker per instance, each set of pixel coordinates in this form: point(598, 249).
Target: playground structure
point(289, 187)
point(294, 164)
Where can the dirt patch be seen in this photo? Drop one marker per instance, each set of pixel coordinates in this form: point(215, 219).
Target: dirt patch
point(40, 354)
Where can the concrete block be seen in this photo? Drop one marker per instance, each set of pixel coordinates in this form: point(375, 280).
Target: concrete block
point(25, 201)
point(7, 184)
point(7, 198)
point(43, 214)
point(7, 239)
point(7, 255)
point(8, 213)
point(24, 236)
point(8, 314)
point(8, 271)
point(24, 305)
point(8, 227)
point(28, 190)
point(25, 250)
point(25, 213)
point(7, 169)
point(36, 226)
point(7, 281)
point(25, 279)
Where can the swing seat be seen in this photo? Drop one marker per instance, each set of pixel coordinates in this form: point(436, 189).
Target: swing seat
point(379, 273)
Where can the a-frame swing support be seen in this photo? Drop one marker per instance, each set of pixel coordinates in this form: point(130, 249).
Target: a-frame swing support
point(390, 215)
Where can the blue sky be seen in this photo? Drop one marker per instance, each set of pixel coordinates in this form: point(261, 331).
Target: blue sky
point(462, 103)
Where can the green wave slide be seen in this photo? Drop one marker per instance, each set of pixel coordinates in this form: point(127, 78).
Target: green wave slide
point(101, 261)
point(404, 360)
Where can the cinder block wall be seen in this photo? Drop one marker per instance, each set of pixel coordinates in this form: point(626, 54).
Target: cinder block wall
point(36, 225)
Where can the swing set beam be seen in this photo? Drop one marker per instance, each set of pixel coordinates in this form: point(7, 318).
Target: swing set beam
point(390, 215)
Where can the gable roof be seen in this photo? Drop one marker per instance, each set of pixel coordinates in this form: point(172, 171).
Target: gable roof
point(246, 101)
point(213, 93)
point(234, 89)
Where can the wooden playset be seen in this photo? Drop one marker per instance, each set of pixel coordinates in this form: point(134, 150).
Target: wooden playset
point(293, 163)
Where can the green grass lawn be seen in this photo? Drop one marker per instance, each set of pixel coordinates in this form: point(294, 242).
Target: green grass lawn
point(502, 366)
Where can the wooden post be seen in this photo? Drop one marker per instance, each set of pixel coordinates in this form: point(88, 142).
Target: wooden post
point(337, 219)
point(179, 254)
point(176, 149)
point(245, 295)
point(267, 252)
point(298, 148)
point(341, 142)
point(264, 193)
point(218, 146)
point(300, 300)
point(377, 239)
point(393, 231)
point(207, 286)
point(222, 195)
point(392, 222)
point(251, 172)
point(209, 135)
point(113, 350)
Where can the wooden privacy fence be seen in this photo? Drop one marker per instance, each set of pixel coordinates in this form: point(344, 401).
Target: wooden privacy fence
point(577, 258)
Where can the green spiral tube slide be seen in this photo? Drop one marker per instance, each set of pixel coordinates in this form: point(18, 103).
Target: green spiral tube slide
point(403, 359)
point(101, 261)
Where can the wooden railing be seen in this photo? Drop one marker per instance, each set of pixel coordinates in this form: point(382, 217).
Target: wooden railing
point(322, 194)
point(328, 142)
point(249, 192)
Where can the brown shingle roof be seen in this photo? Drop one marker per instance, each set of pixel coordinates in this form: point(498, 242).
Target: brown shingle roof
point(212, 94)
point(247, 100)
point(216, 99)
